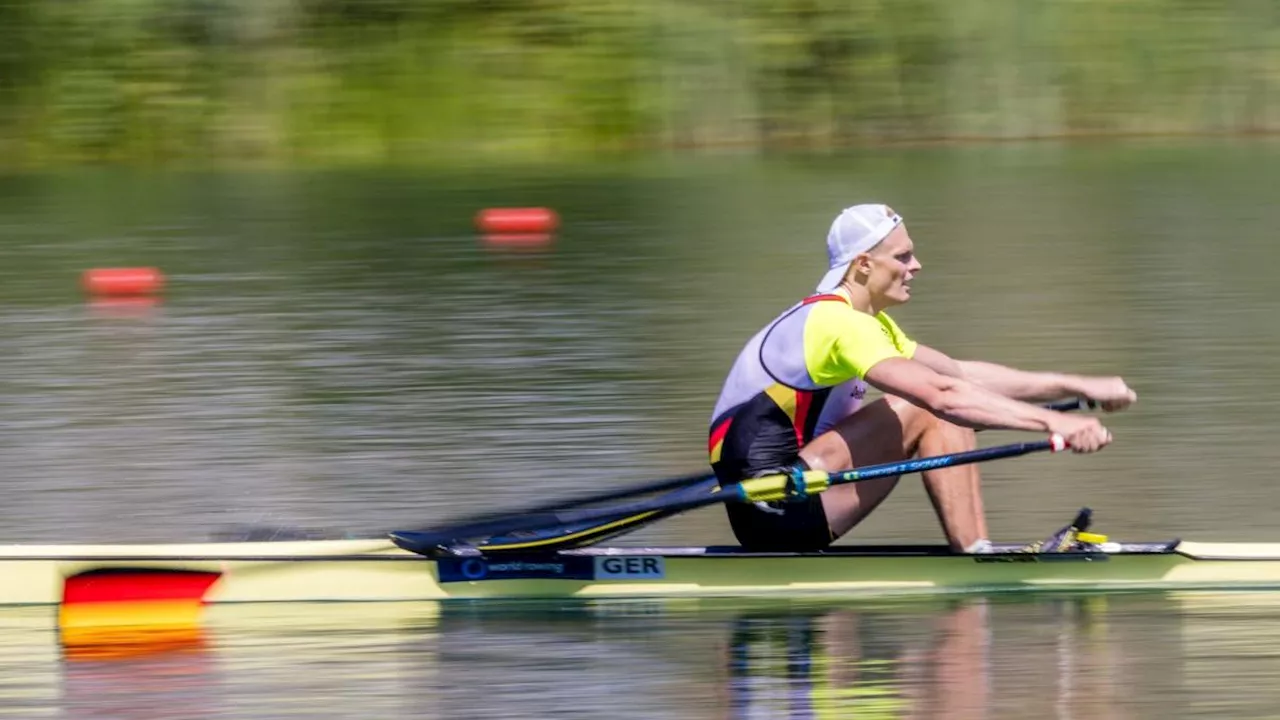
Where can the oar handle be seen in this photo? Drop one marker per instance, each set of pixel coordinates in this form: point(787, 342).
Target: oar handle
point(1072, 404)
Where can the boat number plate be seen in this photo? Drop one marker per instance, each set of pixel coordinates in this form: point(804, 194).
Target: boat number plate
point(554, 567)
point(630, 568)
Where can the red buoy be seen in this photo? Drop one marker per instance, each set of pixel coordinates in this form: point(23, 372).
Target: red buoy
point(517, 221)
point(122, 282)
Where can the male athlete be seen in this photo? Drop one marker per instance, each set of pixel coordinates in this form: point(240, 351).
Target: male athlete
point(793, 397)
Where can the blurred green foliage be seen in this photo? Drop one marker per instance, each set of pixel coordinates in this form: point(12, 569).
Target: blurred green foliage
point(445, 81)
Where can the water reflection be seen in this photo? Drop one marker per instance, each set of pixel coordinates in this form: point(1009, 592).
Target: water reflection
point(1096, 656)
point(141, 682)
point(846, 663)
point(258, 661)
point(975, 657)
point(948, 660)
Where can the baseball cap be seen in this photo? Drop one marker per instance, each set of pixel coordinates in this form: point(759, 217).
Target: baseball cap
point(855, 230)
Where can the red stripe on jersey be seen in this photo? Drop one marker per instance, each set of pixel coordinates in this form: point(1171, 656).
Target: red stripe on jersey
point(718, 433)
point(804, 399)
point(819, 298)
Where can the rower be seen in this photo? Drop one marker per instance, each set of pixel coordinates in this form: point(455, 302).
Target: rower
point(793, 400)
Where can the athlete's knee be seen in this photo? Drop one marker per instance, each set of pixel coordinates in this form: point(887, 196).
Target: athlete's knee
point(826, 454)
point(918, 421)
point(955, 436)
point(959, 434)
point(955, 433)
point(912, 416)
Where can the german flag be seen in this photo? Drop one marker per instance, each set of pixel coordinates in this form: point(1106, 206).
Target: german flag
point(132, 606)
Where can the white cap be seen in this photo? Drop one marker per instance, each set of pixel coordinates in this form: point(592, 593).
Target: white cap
point(855, 230)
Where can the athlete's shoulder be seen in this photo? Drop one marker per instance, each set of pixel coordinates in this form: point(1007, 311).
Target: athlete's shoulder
point(883, 318)
point(905, 344)
point(844, 317)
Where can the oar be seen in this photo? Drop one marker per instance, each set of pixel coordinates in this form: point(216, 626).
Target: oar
point(769, 488)
point(476, 526)
point(682, 482)
point(484, 521)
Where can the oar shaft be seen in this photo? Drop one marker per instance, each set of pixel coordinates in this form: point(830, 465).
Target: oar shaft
point(479, 525)
point(772, 488)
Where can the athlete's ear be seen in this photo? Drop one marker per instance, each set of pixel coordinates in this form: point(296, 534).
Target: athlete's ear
point(861, 264)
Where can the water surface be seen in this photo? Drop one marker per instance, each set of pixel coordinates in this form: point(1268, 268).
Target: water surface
point(338, 349)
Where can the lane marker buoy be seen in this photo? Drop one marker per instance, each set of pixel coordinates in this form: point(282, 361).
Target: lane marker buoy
point(517, 221)
point(122, 282)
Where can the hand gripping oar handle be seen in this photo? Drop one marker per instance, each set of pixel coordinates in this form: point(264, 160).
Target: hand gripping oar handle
point(770, 488)
point(1072, 404)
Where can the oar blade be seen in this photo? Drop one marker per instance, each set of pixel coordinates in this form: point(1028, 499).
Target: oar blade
point(549, 530)
point(433, 542)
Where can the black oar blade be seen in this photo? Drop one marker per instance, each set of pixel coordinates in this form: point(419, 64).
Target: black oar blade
point(559, 529)
point(432, 542)
point(478, 526)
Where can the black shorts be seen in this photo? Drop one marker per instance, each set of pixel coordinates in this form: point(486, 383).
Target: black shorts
point(774, 527)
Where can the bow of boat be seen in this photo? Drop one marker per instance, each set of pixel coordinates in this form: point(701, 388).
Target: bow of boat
point(1229, 551)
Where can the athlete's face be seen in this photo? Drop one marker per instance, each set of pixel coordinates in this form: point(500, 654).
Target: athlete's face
point(890, 267)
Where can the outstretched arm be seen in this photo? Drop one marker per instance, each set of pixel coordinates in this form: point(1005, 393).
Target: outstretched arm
point(965, 403)
point(1110, 392)
point(957, 399)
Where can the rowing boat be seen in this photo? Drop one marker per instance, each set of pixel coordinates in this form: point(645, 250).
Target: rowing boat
point(377, 570)
point(551, 551)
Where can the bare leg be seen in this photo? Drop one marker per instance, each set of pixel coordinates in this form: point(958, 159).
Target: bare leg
point(892, 429)
point(956, 492)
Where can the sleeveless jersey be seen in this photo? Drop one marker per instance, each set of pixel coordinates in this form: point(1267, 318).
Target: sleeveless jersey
point(798, 377)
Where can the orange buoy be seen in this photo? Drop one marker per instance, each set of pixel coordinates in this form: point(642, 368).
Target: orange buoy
point(517, 221)
point(122, 282)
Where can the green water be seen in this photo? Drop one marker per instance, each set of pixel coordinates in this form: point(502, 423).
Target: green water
point(340, 350)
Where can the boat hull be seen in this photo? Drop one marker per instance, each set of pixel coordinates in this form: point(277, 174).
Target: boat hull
point(375, 570)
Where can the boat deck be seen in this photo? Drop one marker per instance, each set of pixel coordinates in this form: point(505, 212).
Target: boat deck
point(375, 570)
